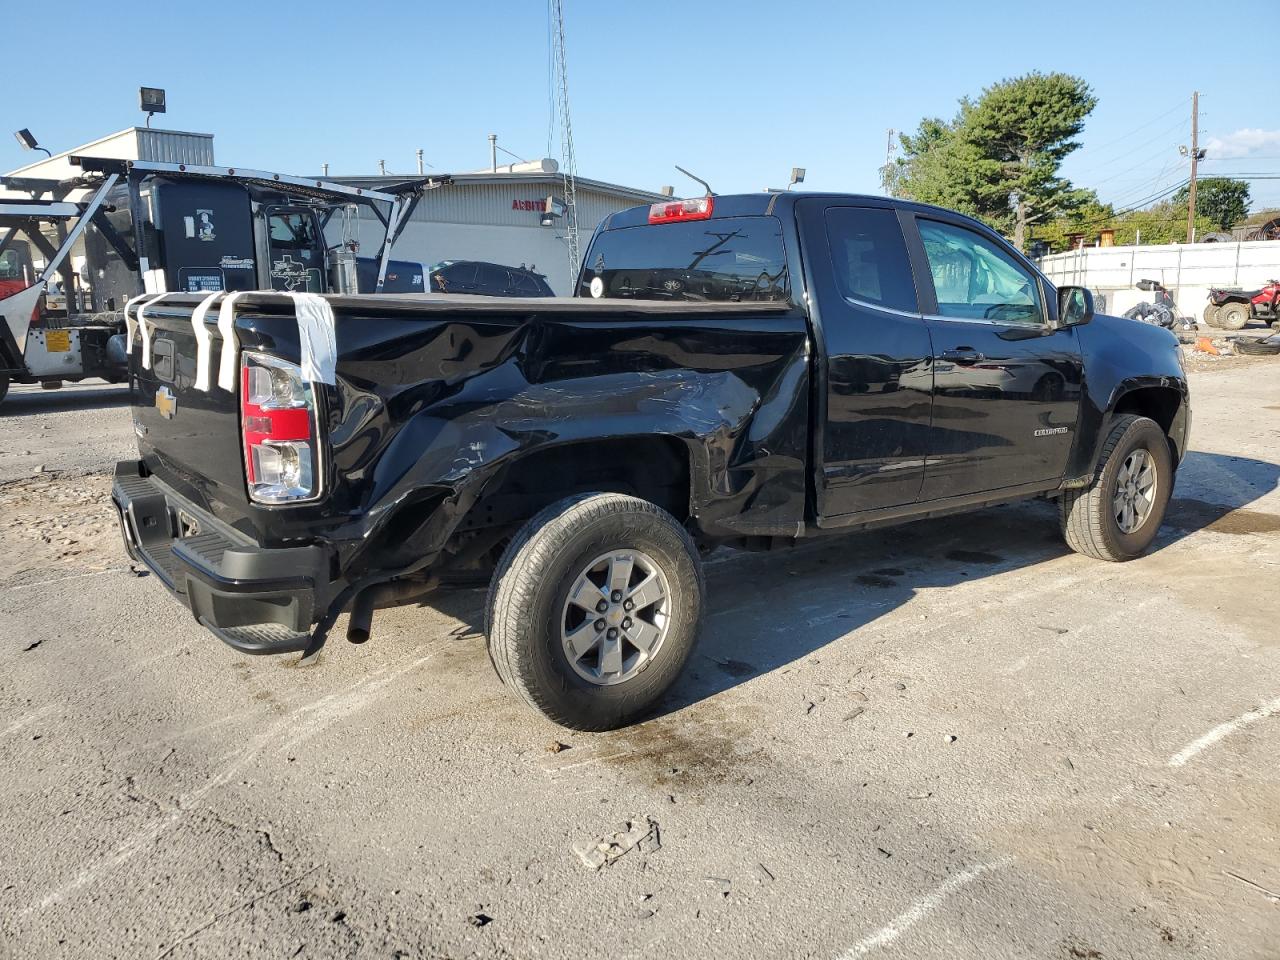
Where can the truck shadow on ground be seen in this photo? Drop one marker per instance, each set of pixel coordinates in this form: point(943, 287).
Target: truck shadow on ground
point(770, 611)
point(31, 403)
point(766, 612)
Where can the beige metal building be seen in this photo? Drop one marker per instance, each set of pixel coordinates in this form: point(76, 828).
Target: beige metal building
point(498, 216)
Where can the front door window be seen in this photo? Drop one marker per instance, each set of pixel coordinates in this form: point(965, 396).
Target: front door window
point(975, 280)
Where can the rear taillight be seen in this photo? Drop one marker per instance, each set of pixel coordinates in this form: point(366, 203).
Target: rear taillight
point(278, 419)
point(673, 211)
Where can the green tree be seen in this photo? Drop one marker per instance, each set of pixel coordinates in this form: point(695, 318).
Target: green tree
point(1225, 202)
point(998, 159)
point(1090, 216)
point(1164, 222)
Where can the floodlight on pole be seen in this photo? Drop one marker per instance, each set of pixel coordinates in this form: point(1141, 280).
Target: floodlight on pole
point(28, 141)
point(151, 100)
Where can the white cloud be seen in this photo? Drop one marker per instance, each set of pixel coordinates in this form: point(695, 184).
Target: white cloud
point(1245, 142)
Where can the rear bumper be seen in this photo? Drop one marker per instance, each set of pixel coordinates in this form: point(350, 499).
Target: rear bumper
point(257, 599)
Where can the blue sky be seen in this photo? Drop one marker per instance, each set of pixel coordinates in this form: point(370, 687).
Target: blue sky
point(737, 92)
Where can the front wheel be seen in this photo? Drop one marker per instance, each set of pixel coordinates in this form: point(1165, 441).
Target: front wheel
point(1211, 314)
point(1118, 515)
point(594, 609)
point(1233, 316)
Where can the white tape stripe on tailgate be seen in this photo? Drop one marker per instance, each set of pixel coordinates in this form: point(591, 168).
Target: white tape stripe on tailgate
point(230, 347)
point(317, 340)
point(204, 341)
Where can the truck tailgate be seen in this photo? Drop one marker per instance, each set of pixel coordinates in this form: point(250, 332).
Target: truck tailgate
point(190, 438)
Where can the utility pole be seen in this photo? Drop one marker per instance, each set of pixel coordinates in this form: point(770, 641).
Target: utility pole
point(1195, 159)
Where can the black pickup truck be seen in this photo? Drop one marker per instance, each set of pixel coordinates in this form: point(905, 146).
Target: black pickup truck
point(742, 370)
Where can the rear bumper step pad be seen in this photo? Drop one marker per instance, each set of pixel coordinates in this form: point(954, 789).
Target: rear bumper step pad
point(257, 600)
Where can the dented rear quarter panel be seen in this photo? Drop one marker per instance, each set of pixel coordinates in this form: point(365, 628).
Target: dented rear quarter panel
point(432, 403)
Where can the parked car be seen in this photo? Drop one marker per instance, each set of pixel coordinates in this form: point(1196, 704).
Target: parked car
point(1231, 307)
point(580, 455)
point(476, 277)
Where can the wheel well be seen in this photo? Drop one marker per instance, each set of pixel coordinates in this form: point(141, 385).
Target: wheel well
point(1156, 403)
point(653, 468)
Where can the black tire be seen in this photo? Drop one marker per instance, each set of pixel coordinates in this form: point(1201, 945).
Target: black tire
point(1233, 316)
point(1266, 347)
point(1211, 314)
point(1089, 523)
point(4, 386)
point(524, 614)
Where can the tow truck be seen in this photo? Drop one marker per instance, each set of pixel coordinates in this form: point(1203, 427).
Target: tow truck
point(122, 231)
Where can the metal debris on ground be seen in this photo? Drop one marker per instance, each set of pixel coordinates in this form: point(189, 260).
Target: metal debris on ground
point(638, 833)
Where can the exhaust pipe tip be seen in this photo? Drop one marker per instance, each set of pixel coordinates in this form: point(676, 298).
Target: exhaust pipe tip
point(360, 626)
point(361, 622)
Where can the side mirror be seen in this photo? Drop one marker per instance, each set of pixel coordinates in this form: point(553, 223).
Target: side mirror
point(1075, 306)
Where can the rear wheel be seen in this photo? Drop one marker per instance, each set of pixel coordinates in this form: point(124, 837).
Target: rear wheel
point(594, 609)
point(1118, 515)
point(1211, 314)
point(1233, 316)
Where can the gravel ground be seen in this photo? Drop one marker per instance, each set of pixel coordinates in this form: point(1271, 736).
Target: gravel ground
point(955, 739)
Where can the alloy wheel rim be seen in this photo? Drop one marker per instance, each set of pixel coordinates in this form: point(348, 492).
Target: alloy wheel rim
point(616, 617)
point(1135, 492)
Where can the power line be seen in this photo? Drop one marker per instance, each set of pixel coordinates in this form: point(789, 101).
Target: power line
point(1141, 147)
point(1180, 105)
point(1124, 196)
point(1139, 205)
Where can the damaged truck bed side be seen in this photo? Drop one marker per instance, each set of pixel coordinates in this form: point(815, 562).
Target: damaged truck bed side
point(735, 370)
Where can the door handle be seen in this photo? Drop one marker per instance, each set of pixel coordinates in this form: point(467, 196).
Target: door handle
point(963, 355)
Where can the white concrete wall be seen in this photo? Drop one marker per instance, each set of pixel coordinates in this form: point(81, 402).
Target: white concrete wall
point(1187, 270)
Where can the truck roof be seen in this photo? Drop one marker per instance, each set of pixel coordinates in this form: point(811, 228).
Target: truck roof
point(774, 204)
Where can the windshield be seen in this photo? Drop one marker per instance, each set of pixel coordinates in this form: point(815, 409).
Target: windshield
point(733, 259)
point(11, 265)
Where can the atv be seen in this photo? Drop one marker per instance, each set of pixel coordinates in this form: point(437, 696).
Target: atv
point(1231, 308)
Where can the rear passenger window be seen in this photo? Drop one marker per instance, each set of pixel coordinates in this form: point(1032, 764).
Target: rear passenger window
point(869, 257)
point(723, 259)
